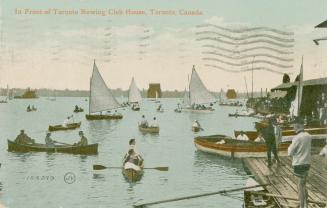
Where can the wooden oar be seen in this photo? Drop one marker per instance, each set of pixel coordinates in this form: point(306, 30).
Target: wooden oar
point(198, 195)
point(101, 167)
point(63, 143)
point(320, 203)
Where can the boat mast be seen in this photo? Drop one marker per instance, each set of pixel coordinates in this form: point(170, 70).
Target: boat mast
point(252, 78)
point(246, 86)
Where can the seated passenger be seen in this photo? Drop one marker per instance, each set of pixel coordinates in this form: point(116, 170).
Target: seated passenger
point(242, 136)
point(22, 138)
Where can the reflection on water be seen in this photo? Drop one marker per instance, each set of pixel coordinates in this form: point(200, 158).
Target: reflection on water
point(190, 171)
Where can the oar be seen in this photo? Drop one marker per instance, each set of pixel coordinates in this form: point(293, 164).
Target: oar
point(198, 195)
point(63, 143)
point(101, 167)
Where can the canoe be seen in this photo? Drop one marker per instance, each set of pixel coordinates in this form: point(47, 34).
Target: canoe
point(62, 128)
point(235, 148)
point(153, 130)
point(178, 110)
point(103, 117)
point(288, 134)
point(132, 173)
point(79, 110)
point(71, 149)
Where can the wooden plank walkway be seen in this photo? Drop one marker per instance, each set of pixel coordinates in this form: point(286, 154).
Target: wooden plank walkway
point(283, 182)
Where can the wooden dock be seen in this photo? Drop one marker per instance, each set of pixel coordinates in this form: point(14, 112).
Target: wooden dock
point(283, 182)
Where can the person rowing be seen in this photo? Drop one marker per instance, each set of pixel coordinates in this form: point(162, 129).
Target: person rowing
point(22, 138)
point(83, 139)
point(154, 123)
point(133, 158)
point(196, 124)
point(48, 141)
point(67, 121)
point(144, 122)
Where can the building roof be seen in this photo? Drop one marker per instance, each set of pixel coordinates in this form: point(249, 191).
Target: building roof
point(320, 81)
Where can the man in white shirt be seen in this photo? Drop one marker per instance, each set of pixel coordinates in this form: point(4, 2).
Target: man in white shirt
point(300, 150)
point(154, 122)
point(144, 122)
point(242, 136)
point(66, 121)
point(259, 138)
point(196, 124)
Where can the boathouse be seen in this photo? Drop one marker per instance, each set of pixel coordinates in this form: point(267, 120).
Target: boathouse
point(154, 90)
point(231, 94)
point(313, 91)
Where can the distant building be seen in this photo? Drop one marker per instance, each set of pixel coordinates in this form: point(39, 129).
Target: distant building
point(312, 92)
point(231, 94)
point(28, 94)
point(154, 90)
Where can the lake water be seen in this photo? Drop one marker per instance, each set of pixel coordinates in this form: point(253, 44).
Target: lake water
point(37, 179)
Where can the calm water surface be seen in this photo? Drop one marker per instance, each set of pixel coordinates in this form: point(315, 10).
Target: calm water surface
point(190, 171)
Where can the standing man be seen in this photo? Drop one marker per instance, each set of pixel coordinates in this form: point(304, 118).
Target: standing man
point(268, 134)
point(300, 151)
point(278, 133)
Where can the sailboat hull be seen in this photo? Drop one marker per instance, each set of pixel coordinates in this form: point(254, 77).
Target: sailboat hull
point(103, 117)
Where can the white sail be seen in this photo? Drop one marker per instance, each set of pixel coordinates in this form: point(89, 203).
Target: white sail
point(134, 95)
point(199, 94)
point(296, 103)
point(186, 99)
point(7, 95)
point(101, 97)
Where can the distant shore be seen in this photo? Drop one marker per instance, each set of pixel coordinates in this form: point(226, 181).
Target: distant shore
point(117, 92)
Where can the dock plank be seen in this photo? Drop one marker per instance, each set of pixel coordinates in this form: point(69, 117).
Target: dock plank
point(284, 182)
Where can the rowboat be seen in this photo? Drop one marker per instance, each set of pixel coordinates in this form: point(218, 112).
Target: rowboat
point(62, 128)
point(153, 130)
point(132, 172)
point(71, 149)
point(30, 110)
point(226, 146)
point(101, 98)
point(78, 110)
point(255, 197)
point(288, 134)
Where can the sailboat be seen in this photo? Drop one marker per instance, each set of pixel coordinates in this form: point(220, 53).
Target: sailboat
point(101, 98)
point(296, 103)
point(7, 96)
point(134, 96)
point(197, 96)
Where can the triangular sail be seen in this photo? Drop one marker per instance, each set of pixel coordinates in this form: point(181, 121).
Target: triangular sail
point(199, 94)
point(134, 95)
point(186, 99)
point(101, 97)
point(296, 103)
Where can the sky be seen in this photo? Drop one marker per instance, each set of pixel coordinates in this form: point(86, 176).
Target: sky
point(57, 51)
